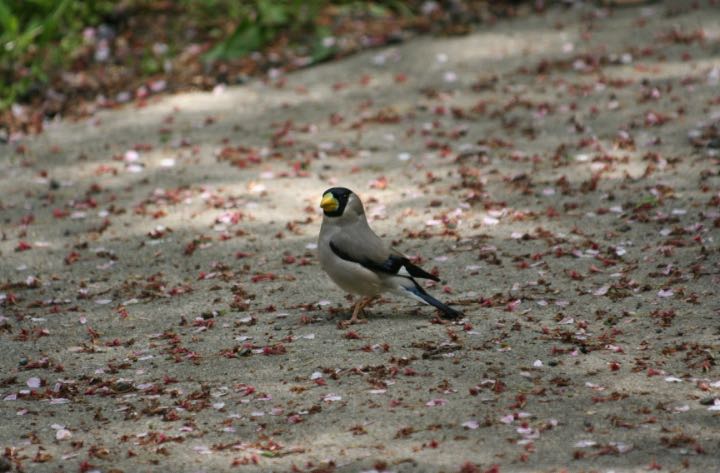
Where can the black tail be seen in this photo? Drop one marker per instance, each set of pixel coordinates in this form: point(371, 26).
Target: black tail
point(417, 272)
point(447, 312)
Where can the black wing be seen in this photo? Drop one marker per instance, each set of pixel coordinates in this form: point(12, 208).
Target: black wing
point(391, 265)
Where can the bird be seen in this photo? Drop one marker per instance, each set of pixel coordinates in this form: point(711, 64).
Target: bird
point(359, 262)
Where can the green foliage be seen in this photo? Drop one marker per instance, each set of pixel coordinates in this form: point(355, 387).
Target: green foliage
point(265, 19)
point(39, 36)
point(208, 9)
point(28, 28)
point(320, 50)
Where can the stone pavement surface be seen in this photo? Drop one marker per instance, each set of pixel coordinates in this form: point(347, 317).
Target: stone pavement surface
point(162, 307)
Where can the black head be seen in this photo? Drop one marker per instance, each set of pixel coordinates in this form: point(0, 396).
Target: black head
point(334, 201)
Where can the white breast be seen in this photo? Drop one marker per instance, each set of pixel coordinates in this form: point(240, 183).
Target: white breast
point(351, 277)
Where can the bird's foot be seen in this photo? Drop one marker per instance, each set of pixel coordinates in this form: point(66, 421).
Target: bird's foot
point(367, 302)
point(357, 310)
point(352, 321)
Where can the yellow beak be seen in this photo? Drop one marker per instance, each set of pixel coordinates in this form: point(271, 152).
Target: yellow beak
point(329, 203)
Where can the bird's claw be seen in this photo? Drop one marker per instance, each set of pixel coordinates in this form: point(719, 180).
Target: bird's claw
point(352, 321)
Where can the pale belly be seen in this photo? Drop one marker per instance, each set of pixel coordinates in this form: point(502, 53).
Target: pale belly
point(352, 277)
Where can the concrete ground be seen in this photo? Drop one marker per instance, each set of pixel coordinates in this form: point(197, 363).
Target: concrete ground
point(162, 307)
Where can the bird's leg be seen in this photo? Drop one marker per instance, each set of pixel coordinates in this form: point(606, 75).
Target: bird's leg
point(367, 302)
point(359, 308)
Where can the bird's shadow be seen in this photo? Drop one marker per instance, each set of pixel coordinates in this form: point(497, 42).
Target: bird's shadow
point(379, 314)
